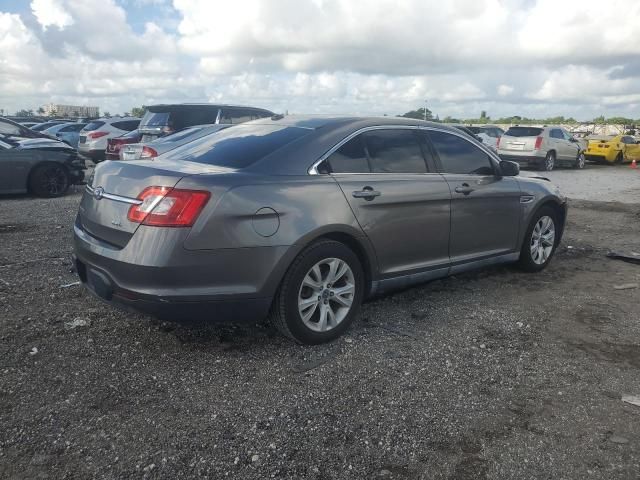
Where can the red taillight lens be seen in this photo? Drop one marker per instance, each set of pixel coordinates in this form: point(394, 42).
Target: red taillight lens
point(538, 143)
point(148, 152)
point(94, 135)
point(168, 207)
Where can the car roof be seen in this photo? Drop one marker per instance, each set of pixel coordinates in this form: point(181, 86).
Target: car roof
point(177, 106)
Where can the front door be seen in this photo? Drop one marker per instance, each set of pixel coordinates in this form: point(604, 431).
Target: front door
point(485, 208)
point(402, 206)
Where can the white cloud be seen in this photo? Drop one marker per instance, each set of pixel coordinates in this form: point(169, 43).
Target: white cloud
point(51, 13)
point(344, 56)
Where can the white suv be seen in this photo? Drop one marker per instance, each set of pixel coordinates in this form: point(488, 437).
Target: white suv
point(93, 137)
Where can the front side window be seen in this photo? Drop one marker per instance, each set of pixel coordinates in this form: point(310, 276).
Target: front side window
point(93, 126)
point(458, 155)
point(394, 151)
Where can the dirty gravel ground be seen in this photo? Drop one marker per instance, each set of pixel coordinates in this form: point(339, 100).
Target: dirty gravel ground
point(495, 374)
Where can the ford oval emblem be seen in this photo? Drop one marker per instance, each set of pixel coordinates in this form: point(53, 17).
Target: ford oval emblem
point(98, 193)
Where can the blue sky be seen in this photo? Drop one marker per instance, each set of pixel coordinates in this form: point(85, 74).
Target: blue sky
point(536, 58)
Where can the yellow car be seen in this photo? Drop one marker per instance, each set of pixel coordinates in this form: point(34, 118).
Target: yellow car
point(620, 149)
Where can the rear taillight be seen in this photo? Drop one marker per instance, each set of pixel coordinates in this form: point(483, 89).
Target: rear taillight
point(538, 143)
point(94, 135)
point(168, 207)
point(148, 152)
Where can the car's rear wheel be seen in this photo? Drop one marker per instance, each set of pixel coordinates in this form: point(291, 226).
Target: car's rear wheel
point(320, 295)
point(540, 240)
point(619, 158)
point(549, 161)
point(580, 162)
point(49, 180)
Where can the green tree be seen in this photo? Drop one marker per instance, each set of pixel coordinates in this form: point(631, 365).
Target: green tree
point(106, 114)
point(138, 111)
point(418, 114)
point(40, 111)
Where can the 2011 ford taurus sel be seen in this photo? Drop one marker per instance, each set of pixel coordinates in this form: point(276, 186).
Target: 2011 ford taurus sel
point(303, 218)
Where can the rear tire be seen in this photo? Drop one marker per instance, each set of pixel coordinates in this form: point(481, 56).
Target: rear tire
point(320, 295)
point(580, 162)
point(539, 244)
point(549, 162)
point(619, 159)
point(49, 180)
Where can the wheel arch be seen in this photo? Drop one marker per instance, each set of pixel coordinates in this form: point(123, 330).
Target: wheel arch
point(42, 163)
point(558, 208)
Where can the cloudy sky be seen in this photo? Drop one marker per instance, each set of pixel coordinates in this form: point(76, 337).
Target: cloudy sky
point(534, 58)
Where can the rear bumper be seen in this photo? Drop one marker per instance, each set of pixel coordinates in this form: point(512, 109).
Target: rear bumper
point(524, 160)
point(172, 283)
point(597, 158)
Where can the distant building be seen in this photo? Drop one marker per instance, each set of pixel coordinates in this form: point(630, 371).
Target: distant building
point(71, 110)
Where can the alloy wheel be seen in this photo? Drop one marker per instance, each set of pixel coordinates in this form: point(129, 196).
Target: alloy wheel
point(543, 238)
point(581, 161)
point(54, 181)
point(549, 162)
point(326, 294)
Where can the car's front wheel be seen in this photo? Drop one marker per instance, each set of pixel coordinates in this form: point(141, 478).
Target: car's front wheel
point(580, 161)
point(320, 295)
point(540, 240)
point(49, 180)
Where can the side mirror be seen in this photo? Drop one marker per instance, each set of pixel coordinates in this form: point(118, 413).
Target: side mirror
point(509, 169)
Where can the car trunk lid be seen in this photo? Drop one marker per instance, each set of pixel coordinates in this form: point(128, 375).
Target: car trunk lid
point(114, 189)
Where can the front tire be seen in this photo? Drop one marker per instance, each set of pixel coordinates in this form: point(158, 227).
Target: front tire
point(580, 162)
point(49, 180)
point(540, 241)
point(320, 295)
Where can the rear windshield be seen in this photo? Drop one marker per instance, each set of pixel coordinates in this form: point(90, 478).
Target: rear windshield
point(180, 118)
point(93, 126)
point(523, 132)
point(237, 147)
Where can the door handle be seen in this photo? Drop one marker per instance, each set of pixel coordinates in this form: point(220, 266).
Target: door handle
point(367, 193)
point(464, 188)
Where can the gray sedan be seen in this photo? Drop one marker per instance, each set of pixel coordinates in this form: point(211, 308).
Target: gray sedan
point(303, 218)
point(44, 167)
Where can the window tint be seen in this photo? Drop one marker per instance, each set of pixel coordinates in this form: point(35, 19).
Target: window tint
point(628, 140)
point(394, 151)
point(350, 158)
point(458, 155)
point(237, 115)
point(524, 132)
point(76, 127)
point(9, 129)
point(126, 125)
point(555, 133)
point(93, 126)
point(237, 147)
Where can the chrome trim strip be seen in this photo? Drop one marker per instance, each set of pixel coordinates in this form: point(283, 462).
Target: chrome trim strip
point(115, 198)
point(313, 170)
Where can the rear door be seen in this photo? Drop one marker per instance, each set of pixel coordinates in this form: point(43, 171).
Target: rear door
point(485, 208)
point(631, 148)
point(401, 204)
point(558, 143)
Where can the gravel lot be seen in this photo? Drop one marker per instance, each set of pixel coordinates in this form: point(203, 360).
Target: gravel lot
point(496, 374)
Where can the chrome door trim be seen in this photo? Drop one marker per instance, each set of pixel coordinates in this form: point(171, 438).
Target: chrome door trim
point(313, 170)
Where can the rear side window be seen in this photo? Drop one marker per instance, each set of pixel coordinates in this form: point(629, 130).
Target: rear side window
point(126, 125)
point(523, 132)
point(93, 126)
point(72, 128)
point(394, 151)
point(237, 147)
point(350, 158)
point(555, 133)
point(458, 155)
point(9, 129)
